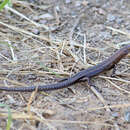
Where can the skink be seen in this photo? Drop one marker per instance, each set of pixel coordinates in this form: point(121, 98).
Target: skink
point(107, 64)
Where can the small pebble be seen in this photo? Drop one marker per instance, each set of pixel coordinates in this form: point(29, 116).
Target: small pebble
point(111, 17)
point(114, 33)
point(36, 31)
point(42, 21)
point(127, 116)
point(48, 113)
point(115, 114)
point(105, 35)
point(46, 16)
point(101, 11)
point(78, 3)
point(68, 1)
point(11, 99)
point(57, 8)
point(119, 20)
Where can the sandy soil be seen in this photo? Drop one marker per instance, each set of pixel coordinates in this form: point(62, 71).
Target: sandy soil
point(42, 42)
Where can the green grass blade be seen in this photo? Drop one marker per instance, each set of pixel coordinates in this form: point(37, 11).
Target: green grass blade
point(9, 116)
point(2, 5)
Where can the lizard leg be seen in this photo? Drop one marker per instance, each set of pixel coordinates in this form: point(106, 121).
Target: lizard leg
point(80, 80)
point(114, 71)
point(62, 79)
point(91, 85)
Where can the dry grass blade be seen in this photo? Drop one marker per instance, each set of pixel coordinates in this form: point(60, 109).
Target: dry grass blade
point(100, 97)
point(119, 31)
point(19, 30)
point(110, 106)
point(121, 89)
point(30, 101)
point(5, 58)
point(12, 81)
point(23, 16)
point(26, 116)
point(121, 80)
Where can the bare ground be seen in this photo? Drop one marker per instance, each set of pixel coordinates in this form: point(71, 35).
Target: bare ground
point(44, 41)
